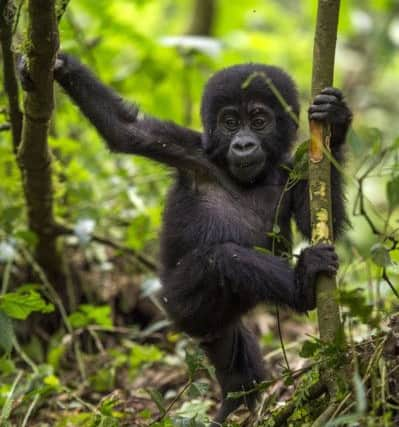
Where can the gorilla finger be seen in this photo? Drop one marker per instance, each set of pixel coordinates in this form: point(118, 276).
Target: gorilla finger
point(318, 116)
point(332, 91)
point(328, 246)
point(330, 254)
point(322, 108)
point(334, 264)
point(325, 99)
point(332, 271)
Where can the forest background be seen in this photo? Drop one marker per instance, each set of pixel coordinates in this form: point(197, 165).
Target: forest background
point(82, 339)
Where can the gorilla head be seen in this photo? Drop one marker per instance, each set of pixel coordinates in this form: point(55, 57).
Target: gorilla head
point(246, 128)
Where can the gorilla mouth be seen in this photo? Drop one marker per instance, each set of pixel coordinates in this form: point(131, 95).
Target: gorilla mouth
point(247, 171)
point(243, 165)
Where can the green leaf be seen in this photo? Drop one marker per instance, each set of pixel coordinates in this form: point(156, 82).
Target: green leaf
point(88, 314)
point(7, 366)
point(187, 422)
point(309, 349)
point(6, 332)
point(27, 236)
point(140, 354)
point(103, 379)
point(380, 255)
point(356, 301)
point(300, 168)
point(193, 413)
point(20, 304)
point(393, 192)
point(370, 137)
point(198, 389)
point(158, 399)
point(361, 399)
point(195, 361)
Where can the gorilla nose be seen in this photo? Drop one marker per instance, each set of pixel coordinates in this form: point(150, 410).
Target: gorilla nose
point(244, 148)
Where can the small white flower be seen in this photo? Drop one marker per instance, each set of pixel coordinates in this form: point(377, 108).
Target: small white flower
point(7, 251)
point(206, 45)
point(84, 229)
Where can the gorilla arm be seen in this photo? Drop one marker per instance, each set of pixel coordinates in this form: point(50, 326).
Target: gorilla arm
point(119, 124)
point(214, 285)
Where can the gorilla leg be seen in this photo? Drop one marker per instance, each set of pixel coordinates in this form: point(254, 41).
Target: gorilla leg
point(211, 287)
point(236, 355)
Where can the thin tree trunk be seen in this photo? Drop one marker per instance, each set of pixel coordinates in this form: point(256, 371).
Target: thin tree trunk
point(201, 24)
point(33, 154)
point(203, 17)
point(320, 173)
point(7, 17)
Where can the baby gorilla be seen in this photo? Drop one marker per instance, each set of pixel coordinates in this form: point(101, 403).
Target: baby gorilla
point(227, 198)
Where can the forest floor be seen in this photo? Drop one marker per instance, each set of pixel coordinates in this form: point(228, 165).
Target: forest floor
point(142, 378)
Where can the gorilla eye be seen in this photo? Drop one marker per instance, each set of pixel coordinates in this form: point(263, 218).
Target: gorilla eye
point(259, 122)
point(230, 122)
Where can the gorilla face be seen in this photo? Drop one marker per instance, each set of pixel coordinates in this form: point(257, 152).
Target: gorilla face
point(247, 130)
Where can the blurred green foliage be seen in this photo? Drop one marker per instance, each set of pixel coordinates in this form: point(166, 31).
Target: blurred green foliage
point(123, 42)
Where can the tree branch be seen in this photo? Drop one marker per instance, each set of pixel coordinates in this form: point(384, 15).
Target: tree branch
point(202, 18)
point(7, 18)
point(33, 154)
point(146, 262)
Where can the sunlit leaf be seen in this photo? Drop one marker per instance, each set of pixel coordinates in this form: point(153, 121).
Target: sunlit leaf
point(23, 302)
point(88, 314)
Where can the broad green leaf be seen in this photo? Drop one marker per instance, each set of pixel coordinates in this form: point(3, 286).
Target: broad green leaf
point(195, 361)
point(7, 366)
point(140, 354)
point(197, 389)
point(27, 236)
point(309, 349)
point(23, 302)
point(195, 410)
point(88, 314)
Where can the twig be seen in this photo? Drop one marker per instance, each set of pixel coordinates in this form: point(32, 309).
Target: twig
point(148, 263)
point(29, 411)
point(170, 406)
point(280, 334)
point(57, 301)
point(5, 127)
point(6, 410)
point(388, 281)
point(17, 16)
point(24, 356)
point(325, 416)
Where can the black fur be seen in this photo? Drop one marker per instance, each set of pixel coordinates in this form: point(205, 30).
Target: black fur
point(211, 271)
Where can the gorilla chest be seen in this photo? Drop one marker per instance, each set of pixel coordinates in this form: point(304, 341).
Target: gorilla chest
point(246, 218)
